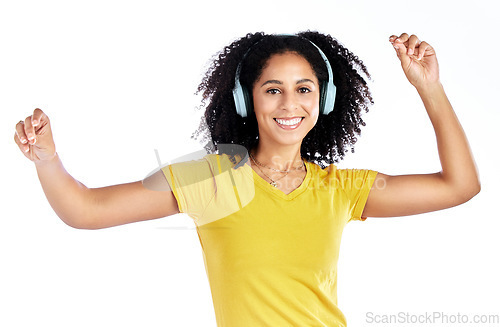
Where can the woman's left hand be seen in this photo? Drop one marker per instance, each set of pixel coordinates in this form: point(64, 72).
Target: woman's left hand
point(418, 60)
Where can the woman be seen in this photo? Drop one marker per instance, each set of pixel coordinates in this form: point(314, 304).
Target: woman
point(270, 210)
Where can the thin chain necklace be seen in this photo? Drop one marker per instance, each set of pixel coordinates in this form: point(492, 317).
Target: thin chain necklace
point(281, 171)
point(273, 182)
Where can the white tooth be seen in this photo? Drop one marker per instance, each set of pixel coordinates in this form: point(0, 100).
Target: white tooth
point(289, 122)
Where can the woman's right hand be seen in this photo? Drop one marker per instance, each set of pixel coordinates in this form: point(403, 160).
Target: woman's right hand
point(34, 137)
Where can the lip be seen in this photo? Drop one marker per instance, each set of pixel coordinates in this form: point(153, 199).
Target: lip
point(289, 127)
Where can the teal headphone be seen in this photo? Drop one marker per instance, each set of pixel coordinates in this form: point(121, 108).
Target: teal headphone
point(243, 98)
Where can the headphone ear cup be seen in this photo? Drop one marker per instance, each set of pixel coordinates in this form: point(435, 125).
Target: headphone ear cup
point(242, 100)
point(322, 97)
point(330, 92)
point(248, 101)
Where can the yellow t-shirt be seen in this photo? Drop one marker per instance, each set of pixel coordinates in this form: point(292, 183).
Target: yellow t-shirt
point(270, 257)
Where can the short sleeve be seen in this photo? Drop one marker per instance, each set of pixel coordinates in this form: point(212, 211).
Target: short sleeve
point(210, 188)
point(193, 186)
point(356, 184)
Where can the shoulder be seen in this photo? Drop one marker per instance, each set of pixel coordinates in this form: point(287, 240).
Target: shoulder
point(210, 163)
point(222, 161)
point(341, 177)
point(317, 170)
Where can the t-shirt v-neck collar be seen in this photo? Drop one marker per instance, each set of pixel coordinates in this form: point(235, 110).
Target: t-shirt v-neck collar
point(263, 184)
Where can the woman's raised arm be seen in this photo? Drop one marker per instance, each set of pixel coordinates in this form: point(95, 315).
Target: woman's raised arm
point(77, 205)
point(458, 180)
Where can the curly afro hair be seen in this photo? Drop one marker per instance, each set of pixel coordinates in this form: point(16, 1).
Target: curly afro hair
point(332, 136)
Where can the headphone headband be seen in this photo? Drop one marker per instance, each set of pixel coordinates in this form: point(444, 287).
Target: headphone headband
point(242, 97)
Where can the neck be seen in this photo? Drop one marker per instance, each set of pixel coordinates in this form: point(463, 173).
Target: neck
point(283, 157)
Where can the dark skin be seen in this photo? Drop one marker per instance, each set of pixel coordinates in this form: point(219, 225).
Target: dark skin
point(458, 180)
point(390, 195)
point(333, 136)
point(456, 183)
point(287, 90)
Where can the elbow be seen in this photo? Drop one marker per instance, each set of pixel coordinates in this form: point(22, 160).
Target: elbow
point(461, 189)
point(80, 223)
point(71, 223)
point(469, 192)
point(86, 225)
point(81, 214)
point(87, 217)
point(476, 189)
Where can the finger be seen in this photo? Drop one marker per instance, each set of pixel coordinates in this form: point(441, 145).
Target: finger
point(402, 38)
point(424, 47)
point(29, 130)
point(392, 38)
point(37, 116)
point(401, 52)
point(23, 147)
point(413, 42)
point(400, 48)
point(20, 132)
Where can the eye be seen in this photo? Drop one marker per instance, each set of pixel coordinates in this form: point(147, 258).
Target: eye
point(273, 91)
point(304, 90)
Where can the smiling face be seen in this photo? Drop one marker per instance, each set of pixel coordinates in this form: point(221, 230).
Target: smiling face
point(286, 99)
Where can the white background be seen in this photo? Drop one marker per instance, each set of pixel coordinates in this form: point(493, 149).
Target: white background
point(117, 79)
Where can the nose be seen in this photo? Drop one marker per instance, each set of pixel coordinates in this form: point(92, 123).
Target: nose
point(289, 101)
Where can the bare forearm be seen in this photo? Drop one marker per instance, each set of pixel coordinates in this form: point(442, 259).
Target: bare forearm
point(457, 162)
point(458, 180)
point(67, 196)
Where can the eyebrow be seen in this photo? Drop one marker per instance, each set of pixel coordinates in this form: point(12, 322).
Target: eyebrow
point(275, 81)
